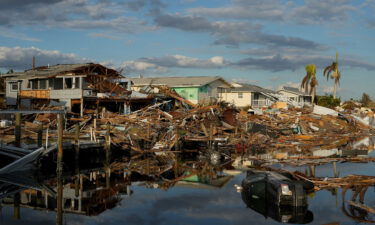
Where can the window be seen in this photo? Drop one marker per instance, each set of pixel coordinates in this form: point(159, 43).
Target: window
point(50, 83)
point(240, 95)
point(68, 83)
point(13, 86)
point(34, 84)
point(77, 83)
point(58, 84)
point(42, 84)
point(84, 83)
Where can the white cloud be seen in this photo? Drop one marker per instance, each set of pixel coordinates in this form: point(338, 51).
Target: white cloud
point(21, 58)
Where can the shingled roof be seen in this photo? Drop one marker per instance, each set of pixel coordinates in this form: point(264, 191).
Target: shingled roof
point(189, 81)
point(251, 88)
point(294, 90)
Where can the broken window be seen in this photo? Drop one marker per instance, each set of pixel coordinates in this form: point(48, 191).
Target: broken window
point(68, 83)
point(50, 83)
point(43, 84)
point(77, 83)
point(58, 84)
point(85, 85)
point(34, 84)
point(13, 86)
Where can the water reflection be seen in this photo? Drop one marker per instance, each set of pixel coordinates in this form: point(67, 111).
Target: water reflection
point(183, 186)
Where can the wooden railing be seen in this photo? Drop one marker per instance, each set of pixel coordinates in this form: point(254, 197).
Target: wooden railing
point(42, 94)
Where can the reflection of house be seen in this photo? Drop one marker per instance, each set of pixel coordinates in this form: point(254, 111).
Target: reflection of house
point(204, 182)
point(71, 85)
point(83, 197)
point(2, 90)
point(295, 95)
point(198, 89)
point(247, 95)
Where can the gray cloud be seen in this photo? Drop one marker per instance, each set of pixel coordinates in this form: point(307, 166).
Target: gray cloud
point(11, 4)
point(231, 33)
point(20, 58)
point(242, 9)
point(268, 62)
point(311, 12)
point(318, 12)
point(279, 62)
point(76, 14)
point(154, 6)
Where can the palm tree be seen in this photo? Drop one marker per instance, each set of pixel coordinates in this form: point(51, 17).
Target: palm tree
point(310, 80)
point(333, 72)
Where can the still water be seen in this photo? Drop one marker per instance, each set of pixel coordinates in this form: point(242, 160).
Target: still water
point(184, 203)
point(135, 190)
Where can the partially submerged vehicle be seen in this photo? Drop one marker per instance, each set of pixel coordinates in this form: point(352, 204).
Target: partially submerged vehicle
point(277, 195)
point(278, 188)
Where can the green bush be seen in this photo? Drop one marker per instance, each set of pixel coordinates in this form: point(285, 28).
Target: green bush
point(328, 101)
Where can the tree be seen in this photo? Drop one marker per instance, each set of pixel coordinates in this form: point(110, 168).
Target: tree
point(332, 71)
point(310, 81)
point(366, 100)
point(328, 101)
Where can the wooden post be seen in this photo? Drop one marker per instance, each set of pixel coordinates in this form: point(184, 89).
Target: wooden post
point(312, 170)
point(335, 174)
point(59, 217)
point(17, 131)
point(16, 206)
point(40, 135)
point(47, 137)
point(76, 141)
point(108, 156)
point(81, 109)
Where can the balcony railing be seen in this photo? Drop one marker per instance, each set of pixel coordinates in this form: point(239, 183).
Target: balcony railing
point(41, 94)
point(261, 103)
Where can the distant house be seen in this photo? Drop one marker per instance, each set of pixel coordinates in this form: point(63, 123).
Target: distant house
point(295, 95)
point(196, 89)
point(248, 95)
point(74, 86)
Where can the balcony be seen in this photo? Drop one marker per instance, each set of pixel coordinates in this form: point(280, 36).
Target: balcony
point(261, 103)
point(39, 94)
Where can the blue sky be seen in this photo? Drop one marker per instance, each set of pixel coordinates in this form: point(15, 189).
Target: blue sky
point(264, 42)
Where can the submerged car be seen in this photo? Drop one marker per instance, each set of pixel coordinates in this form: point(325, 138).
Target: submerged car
point(277, 195)
point(276, 188)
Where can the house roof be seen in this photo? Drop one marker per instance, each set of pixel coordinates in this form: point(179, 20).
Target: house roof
point(294, 90)
point(188, 81)
point(59, 69)
point(251, 88)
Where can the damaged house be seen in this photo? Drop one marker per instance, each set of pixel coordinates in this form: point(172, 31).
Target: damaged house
point(196, 89)
point(243, 95)
point(295, 96)
point(74, 86)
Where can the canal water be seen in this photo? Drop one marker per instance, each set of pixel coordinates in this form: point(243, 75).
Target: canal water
point(139, 191)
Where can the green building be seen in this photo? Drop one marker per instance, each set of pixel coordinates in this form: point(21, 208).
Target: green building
point(197, 89)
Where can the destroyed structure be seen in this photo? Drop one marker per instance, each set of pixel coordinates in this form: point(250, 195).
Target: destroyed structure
point(74, 86)
point(153, 138)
